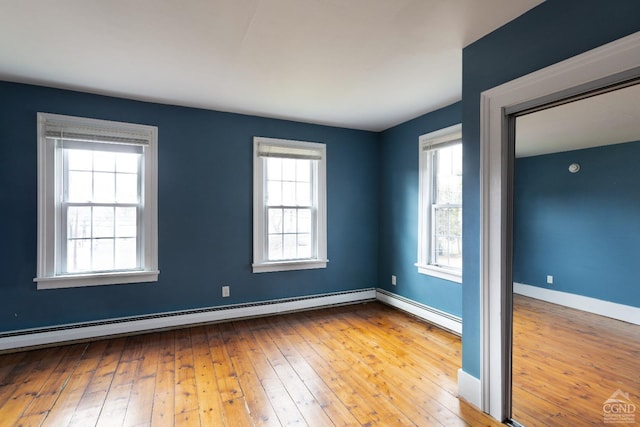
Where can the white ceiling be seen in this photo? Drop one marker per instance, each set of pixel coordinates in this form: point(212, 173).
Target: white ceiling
point(363, 64)
point(609, 118)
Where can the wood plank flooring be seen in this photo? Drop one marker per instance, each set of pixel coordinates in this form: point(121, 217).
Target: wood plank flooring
point(359, 365)
point(567, 363)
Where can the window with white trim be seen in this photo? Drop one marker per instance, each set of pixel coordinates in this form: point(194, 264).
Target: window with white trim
point(289, 205)
point(97, 202)
point(440, 204)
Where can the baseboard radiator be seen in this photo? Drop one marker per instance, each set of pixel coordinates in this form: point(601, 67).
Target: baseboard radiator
point(38, 337)
point(432, 315)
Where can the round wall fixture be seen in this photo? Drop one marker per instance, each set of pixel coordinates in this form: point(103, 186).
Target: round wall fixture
point(574, 167)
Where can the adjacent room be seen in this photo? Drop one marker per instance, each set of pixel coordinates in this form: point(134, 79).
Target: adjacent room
point(262, 212)
point(575, 319)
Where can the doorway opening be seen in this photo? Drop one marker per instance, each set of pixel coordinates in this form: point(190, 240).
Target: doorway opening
point(602, 67)
point(574, 297)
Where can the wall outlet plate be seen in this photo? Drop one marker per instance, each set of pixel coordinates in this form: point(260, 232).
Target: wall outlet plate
point(225, 291)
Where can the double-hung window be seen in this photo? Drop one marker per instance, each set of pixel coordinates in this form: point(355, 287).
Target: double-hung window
point(97, 208)
point(289, 206)
point(440, 204)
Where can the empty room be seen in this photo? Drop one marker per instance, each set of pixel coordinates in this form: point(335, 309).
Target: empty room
point(318, 212)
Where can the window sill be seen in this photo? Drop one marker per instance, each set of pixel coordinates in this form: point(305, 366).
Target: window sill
point(289, 265)
point(81, 280)
point(440, 273)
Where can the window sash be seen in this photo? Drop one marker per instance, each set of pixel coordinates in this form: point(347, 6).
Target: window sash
point(62, 152)
point(312, 233)
point(63, 261)
point(63, 146)
point(428, 261)
point(311, 206)
point(432, 172)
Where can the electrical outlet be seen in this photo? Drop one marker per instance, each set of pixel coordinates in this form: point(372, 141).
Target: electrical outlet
point(393, 280)
point(550, 280)
point(225, 291)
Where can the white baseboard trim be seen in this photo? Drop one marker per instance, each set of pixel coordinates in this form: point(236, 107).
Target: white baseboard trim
point(128, 325)
point(432, 315)
point(622, 312)
point(469, 388)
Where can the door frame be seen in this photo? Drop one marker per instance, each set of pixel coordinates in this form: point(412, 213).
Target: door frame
point(606, 65)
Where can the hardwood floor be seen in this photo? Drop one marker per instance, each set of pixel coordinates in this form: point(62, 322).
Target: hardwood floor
point(360, 365)
point(567, 363)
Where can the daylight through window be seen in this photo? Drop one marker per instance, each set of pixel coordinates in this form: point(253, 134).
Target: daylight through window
point(289, 199)
point(440, 205)
point(289, 208)
point(101, 203)
point(97, 207)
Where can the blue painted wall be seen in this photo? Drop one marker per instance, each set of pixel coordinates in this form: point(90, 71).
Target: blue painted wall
point(553, 31)
point(205, 210)
point(399, 213)
point(583, 228)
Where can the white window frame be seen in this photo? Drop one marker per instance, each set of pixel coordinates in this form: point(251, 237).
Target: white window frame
point(319, 258)
point(427, 144)
point(50, 170)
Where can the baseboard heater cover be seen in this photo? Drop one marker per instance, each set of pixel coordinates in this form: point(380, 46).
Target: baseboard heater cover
point(432, 315)
point(146, 323)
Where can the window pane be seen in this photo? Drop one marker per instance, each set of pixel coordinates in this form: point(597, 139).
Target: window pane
point(289, 193)
point(79, 186)
point(304, 246)
point(304, 220)
point(275, 221)
point(303, 171)
point(289, 246)
point(449, 175)
point(102, 254)
point(449, 254)
point(126, 188)
point(442, 251)
point(104, 161)
point(274, 193)
point(78, 255)
point(126, 222)
point(303, 194)
point(290, 221)
point(448, 221)
point(79, 160)
point(274, 169)
point(441, 224)
point(127, 162)
point(104, 187)
point(449, 190)
point(103, 222)
point(288, 169)
point(126, 257)
point(456, 161)
point(78, 222)
point(275, 247)
point(447, 239)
